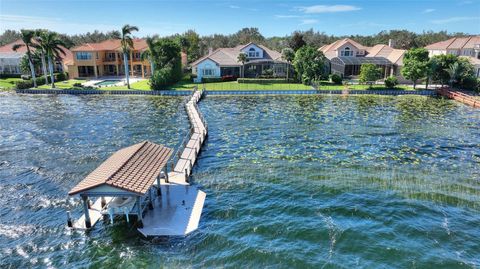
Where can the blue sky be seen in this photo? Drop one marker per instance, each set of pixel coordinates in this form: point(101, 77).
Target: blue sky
point(273, 18)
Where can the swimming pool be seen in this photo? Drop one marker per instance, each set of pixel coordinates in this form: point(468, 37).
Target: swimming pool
point(291, 181)
point(107, 82)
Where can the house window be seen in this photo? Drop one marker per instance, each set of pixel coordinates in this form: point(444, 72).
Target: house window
point(137, 55)
point(208, 72)
point(346, 52)
point(110, 56)
point(84, 55)
point(251, 53)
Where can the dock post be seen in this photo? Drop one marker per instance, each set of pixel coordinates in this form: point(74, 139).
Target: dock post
point(166, 175)
point(69, 219)
point(139, 213)
point(159, 188)
point(103, 202)
point(150, 198)
point(86, 206)
point(186, 175)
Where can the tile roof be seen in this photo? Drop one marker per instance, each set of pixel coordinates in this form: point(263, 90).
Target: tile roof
point(7, 49)
point(455, 43)
point(395, 56)
point(228, 56)
point(111, 44)
point(133, 169)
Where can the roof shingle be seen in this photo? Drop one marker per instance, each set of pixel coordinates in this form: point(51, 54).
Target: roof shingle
point(134, 169)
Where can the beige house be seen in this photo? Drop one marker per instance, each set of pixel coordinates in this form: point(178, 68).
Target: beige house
point(346, 57)
point(106, 59)
point(468, 47)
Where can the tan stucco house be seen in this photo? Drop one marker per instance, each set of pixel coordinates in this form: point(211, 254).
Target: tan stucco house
point(346, 56)
point(106, 59)
point(468, 47)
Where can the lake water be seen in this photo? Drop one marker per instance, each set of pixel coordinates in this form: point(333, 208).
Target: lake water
point(291, 181)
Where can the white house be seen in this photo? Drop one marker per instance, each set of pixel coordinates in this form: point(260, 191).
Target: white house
point(224, 62)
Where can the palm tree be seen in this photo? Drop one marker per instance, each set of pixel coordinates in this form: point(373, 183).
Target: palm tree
point(148, 54)
point(288, 55)
point(27, 38)
point(53, 47)
point(42, 51)
point(242, 58)
point(127, 45)
point(453, 71)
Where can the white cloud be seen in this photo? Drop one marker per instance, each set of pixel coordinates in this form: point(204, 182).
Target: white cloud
point(455, 19)
point(233, 6)
point(308, 21)
point(328, 9)
point(429, 10)
point(287, 16)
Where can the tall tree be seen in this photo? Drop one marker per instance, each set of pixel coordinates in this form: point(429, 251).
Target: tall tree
point(39, 34)
point(443, 62)
point(242, 58)
point(309, 64)
point(127, 45)
point(288, 55)
point(415, 65)
point(454, 73)
point(296, 41)
point(193, 51)
point(9, 36)
point(53, 46)
point(27, 38)
point(149, 53)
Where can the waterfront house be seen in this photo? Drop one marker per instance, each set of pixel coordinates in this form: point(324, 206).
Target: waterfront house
point(106, 59)
point(346, 57)
point(224, 62)
point(10, 60)
point(468, 47)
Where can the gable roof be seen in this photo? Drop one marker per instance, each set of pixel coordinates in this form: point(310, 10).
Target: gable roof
point(330, 49)
point(111, 44)
point(455, 43)
point(229, 56)
point(133, 169)
point(395, 56)
point(8, 50)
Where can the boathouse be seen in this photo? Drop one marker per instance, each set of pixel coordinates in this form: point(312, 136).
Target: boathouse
point(124, 182)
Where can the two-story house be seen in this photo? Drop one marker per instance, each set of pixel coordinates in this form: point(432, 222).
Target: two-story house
point(468, 47)
point(106, 59)
point(224, 62)
point(347, 56)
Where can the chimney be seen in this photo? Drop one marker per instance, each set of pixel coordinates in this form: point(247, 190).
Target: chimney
point(210, 50)
point(391, 43)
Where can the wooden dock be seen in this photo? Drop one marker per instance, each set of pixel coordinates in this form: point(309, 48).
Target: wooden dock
point(178, 209)
point(94, 212)
point(459, 96)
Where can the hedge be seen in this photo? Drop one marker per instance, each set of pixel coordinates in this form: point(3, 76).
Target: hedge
point(261, 80)
point(10, 75)
point(209, 80)
point(27, 84)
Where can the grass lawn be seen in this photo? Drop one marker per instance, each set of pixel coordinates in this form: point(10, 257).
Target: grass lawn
point(233, 85)
point(67, 84)
point(8, 83)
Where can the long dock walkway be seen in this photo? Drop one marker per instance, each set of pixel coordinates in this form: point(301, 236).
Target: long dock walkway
point(177, 211)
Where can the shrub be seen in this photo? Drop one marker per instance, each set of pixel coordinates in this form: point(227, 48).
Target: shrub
point(77, 84)
point(210, 80)
point(26, 77)
point(391, 82)
point(192, 77)
point(161, 78)
point(469, 83)
point(335, 79)
point(267, 73)
point(369, 73)
point(229, 78)
point(261, 80)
